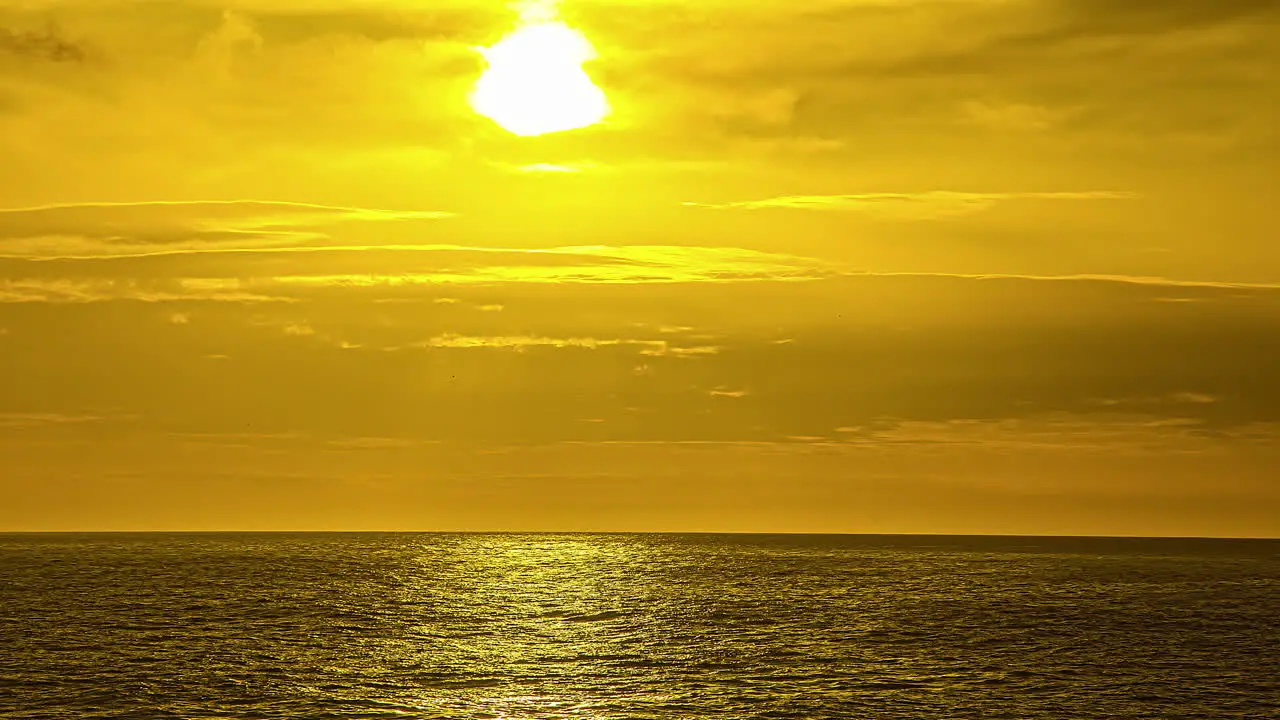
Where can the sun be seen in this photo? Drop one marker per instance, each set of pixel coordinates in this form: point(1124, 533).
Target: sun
point(535, 84)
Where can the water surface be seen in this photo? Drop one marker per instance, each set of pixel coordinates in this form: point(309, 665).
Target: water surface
point(636, 626)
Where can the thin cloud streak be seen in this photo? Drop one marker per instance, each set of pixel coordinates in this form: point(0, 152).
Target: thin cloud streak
point(298, 288)
point(87, 230)
point(922, 206)
point(633, 264)
point(79, 291)
point(1117, 279)
point(520, 343)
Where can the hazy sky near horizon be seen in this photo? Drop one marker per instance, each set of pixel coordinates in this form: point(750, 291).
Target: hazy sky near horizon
point(833, 266)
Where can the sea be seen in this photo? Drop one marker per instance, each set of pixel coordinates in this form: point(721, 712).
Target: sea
point(659, 626)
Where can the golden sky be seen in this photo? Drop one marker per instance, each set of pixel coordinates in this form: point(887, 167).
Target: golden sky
point(959, 266)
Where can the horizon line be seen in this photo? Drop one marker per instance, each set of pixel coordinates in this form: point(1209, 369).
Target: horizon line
point(646, 532)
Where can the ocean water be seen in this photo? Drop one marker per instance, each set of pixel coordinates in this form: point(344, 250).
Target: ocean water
point(636, 626)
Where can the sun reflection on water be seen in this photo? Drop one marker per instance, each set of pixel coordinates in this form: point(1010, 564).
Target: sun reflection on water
point(552, 610)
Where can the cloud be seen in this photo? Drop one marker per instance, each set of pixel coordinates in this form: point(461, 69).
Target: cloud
point(147, 228)
point(1164, 282)
point(299, 330)
point(1062, 432)
point(598, 264)
point(80, 290)
point(228, 91)
point(887, 78)
point(242, 280)
point(240, 439)
point(41, 45)
point(550, 168)
point(1176, 398)
point(378, 443)
point(18, 420)
point(670, 350)
point(1194, 398)
point(1056, 444)
point(12, 420)
point(920, 348)
point(917, 206)
point(1095, 18)
point(520, 343)
point(252, 276)
point(1014, 116)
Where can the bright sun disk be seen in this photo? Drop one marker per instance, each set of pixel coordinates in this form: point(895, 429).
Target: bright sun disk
point(535, 83)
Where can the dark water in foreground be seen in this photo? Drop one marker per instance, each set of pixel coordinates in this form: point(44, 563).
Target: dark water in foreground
point(636, 626)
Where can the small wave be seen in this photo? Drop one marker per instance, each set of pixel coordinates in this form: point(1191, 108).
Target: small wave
point(594, 617)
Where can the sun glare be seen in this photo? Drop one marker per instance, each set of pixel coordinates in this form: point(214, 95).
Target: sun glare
point(535, 84)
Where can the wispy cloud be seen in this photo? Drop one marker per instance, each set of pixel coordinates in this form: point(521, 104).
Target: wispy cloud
point(1178, 398)
point(570, 266)
point(920, 206)
point(1172, 283)
point(1014, 116)
point(42, 45)
point(587, 264)
point(522, 342)
point(551, 168)
point(104, 290)
point(669, 350)
point(519, 343)
point(378, 443)
point(147, 228)
point(1066, 432)
point(45, 419)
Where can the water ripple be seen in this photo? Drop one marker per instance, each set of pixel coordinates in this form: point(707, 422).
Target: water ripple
point(635, 626)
